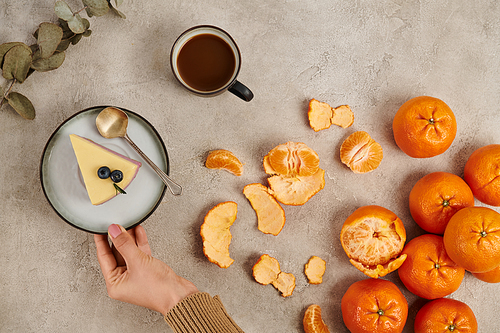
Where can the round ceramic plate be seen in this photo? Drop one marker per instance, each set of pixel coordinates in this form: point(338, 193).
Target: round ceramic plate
point(63, 184)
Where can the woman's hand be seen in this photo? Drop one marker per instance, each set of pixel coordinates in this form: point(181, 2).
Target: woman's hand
point(142, 280)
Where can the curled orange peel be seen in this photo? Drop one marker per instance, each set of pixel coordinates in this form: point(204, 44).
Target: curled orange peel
point(321, 115)
point(270, 215)
point(216, 235)
point(267, 271)
point(315, 269)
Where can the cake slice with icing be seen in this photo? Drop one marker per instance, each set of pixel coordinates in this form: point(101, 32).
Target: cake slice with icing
point(91, 156)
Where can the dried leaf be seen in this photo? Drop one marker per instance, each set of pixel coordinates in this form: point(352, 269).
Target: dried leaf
point(45, 65)
point(5, 47)
point(118, 2)
point(22, 105)
point(49, 37)
point(87, 33)
point(63, 11)
point(16, 63)
point(96, 7)
point(76, 24)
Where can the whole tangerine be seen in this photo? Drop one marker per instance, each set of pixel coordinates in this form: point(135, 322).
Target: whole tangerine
point(374, 305)
point(424, 127)
point(472, 239)
point(492, 276)
point(436, 197)
point(445, 315)
point(482, 173)
point(428, 271)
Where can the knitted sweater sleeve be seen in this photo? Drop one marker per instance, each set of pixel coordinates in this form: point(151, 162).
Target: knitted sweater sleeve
point(201, 313)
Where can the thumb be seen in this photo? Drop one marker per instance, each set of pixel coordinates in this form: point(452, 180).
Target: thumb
point(123, 242)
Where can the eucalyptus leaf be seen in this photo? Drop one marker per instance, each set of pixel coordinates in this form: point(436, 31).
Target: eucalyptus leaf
point(63, 11)
point(16, 63)
point(76, 39)
point(76, 24)
point(22, 105)
point(67, 33)
point(86, 23)
point(45, 65)
point(117, 12)
point(87, 33)
point(63, 45)
point(118, 2)
point(96, 7)
point(49, 37)
point(34, 48)
point(5, 47)
point(31, 71)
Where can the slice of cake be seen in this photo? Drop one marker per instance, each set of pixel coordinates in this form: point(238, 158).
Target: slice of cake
point(91, 157)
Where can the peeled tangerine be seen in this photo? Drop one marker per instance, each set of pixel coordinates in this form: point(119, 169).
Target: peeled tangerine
point(315, 269)
point(270, 215)
point(321, 115)
point(216, 235)
point(373, 238)
point(296, 175)
point(313, 322)
point(361, 153)
point(225, 160)
point(267, 271)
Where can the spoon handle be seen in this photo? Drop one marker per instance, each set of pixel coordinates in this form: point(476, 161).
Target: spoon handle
point(174, 188)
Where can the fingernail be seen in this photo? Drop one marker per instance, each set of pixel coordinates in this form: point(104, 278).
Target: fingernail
point(114, 231)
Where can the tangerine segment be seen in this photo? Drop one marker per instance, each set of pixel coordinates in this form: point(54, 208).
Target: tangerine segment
point(428, 271)
point(320, 115)
point(373, 238)
point(270, 215)
point(313, 322)
point(482, 173)
point(297, 190)
point(224, 159)
point(436, 197)
point(374, 306)
point(292, 159)
point(445, 315)
point(343, 116)
point(424, 127)
point(492, 276)
point(361, 153)
point(216, 235)
point(315, 269)
point(472, 239)
point(267, 271)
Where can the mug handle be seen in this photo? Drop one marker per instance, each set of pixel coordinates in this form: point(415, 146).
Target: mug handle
point(240, 90)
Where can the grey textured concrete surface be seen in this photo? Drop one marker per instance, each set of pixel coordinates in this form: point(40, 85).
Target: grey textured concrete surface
point(372, 55)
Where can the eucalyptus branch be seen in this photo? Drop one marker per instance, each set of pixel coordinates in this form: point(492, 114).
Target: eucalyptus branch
point(4, 97)
point(18, 60)
point(81, 10)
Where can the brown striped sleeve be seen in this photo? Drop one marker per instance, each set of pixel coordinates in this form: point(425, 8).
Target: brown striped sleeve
point(201, 313)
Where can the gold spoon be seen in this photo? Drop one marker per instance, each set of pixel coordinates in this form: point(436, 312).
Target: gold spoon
point(112, 123)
